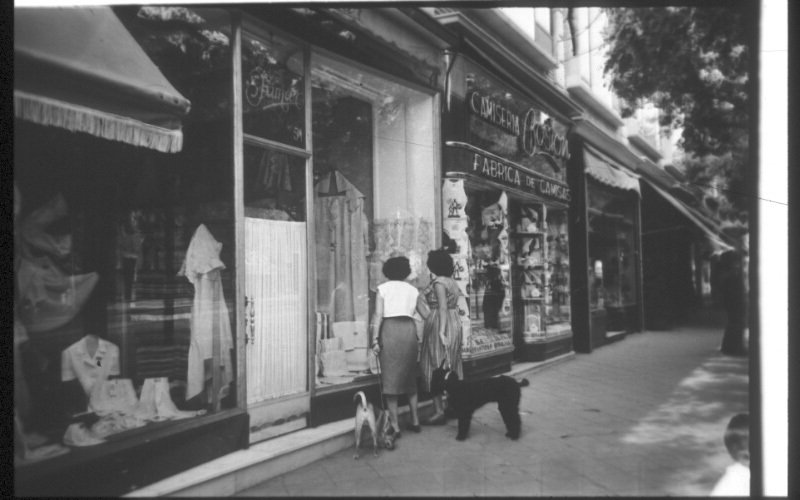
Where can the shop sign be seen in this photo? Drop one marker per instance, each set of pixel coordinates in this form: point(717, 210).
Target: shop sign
point(264, 89)
point(464, 158)
point(534, 135)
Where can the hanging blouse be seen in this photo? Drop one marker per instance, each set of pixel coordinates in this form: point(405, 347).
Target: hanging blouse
point(202, 267)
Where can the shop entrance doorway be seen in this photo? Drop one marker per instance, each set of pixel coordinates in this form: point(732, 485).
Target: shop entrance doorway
point(276, 291)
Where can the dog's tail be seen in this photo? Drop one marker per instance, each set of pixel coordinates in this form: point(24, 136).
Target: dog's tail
point(360, 394)
point(523, 383)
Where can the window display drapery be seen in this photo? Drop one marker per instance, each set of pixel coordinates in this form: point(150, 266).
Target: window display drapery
point(341, 249)
point(202, 268)
point(48, 296)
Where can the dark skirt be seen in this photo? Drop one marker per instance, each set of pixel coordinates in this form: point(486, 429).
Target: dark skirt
point(398, 356)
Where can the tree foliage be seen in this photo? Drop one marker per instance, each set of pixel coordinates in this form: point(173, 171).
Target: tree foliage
point(692, 62)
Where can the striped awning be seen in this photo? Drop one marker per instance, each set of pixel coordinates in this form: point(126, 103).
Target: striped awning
point(79, 68)
point(602, 170)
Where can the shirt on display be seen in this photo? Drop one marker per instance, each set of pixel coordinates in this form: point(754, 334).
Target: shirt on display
point(77, 363)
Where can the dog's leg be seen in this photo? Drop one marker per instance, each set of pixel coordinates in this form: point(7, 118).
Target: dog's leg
point(359, 424)
point(374, 429)
point(464, 419)
point(510, 414)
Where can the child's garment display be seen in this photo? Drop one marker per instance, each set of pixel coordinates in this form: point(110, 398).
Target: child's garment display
point(77, 363)
point(210, 317)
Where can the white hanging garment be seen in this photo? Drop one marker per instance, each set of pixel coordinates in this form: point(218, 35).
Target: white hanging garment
point(202, 268)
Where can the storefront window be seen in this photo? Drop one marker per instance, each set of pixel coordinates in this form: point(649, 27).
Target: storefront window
point(540, 263)
point(488, 270)
point(374, 163)
point(612, 253)
point(124, 265)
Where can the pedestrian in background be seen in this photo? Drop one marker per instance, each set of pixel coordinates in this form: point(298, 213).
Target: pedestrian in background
point(733, 300)
point(394, 338)
point(441, 341)
point(736, 480)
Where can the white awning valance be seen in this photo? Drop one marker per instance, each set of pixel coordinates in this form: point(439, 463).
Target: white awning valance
point(81, 70)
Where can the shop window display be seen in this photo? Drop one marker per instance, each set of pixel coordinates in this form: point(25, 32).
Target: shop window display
point(487, 271)
point(612, 254)
point(124, 260)
point(373, 167)
point(540, 259)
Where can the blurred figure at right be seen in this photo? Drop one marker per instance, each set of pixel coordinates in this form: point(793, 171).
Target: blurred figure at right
point(736, 480)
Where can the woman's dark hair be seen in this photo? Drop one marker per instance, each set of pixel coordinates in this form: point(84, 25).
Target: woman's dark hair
point(440, 263)
point(397, 268)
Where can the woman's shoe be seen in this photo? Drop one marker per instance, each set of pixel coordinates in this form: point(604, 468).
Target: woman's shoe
point(413, 428)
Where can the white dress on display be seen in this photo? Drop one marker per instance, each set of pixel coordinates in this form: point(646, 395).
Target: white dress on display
point(202, 268)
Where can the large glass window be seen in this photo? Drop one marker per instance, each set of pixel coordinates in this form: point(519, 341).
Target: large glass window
point(124, 264)
point(489, 268)
point(374, 165)
point(612, 253)
point(540, 270)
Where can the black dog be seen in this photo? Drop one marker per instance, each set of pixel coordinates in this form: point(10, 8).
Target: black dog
point(466, 397)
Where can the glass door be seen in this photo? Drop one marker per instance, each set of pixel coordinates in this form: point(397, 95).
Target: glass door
point(275, 195)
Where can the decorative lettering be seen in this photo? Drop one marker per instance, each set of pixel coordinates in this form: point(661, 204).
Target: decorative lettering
point(541, 138)
point(534, 137)
point(263, 90)
point(494, 113)
point(506, 173)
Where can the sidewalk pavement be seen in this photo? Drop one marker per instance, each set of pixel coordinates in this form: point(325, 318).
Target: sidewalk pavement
point(642, 416)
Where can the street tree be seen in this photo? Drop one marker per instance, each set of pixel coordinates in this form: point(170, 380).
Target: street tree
point(692, 63)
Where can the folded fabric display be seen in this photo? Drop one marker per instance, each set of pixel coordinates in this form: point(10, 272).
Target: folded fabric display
point(40, 453)
point(332, 357)
point(155, 403)
point(112, 396)
point(32, 447)
point(115, 423)
point(80, 435)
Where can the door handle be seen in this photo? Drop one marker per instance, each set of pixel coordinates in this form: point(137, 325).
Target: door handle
point(250, 320)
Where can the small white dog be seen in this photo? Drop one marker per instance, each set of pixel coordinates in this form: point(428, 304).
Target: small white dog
point(365, 415)
point(380, 427)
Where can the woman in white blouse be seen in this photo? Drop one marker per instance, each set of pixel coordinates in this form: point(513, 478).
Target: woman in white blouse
point(394, 335)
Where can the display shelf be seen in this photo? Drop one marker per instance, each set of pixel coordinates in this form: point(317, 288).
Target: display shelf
point(519, 234)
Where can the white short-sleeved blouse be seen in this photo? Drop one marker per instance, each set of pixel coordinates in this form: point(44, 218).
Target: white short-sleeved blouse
point(399, 298)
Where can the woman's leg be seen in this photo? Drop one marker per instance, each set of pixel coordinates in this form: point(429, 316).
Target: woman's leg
point(412, 404)
point(391, 401)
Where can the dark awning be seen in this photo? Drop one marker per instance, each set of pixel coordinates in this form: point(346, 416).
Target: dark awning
point(711, 229)
point(81, 70)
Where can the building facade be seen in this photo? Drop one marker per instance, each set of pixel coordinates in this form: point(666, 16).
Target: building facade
point(203, 202)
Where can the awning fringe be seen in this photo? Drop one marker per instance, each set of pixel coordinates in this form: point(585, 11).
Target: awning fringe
point(76, 118)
